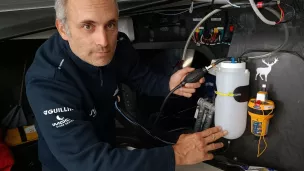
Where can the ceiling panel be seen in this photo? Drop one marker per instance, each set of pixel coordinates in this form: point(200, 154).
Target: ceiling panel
point(16, 5)
point(8, 19)
point(19, 17)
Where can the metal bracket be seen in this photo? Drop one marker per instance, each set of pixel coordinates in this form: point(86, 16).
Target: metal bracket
point(204, 115)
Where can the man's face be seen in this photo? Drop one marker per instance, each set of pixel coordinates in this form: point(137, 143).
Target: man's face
point(93, 30)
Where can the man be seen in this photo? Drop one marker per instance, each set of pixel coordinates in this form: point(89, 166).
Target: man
point(71, 89)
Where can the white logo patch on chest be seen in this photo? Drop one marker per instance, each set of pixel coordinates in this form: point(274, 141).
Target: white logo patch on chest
point(57, 110)
point(62, 121)
point(265, 70)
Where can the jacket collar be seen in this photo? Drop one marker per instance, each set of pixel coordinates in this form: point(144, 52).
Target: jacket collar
point(88, 68)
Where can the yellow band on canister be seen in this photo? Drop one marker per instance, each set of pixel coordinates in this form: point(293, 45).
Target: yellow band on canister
point(229, 94)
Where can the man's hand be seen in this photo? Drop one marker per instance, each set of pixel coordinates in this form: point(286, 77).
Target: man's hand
point(189, 88)
point(194, 148)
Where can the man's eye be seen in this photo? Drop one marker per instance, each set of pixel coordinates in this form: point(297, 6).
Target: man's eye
point(87, 27)
point(111, 25)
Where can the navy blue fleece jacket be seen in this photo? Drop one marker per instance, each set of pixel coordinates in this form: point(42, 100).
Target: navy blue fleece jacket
point(73, 103)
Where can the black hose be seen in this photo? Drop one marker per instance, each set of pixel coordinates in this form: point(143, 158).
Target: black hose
point(165, 101)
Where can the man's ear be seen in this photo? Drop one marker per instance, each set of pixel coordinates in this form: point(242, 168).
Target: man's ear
point(61, 29)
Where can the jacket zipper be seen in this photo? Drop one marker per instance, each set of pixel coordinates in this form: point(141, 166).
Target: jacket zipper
point(100, 77)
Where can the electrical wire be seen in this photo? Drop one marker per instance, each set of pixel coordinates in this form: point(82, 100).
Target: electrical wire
point(165, 101)
point(161, 12)
point(178, 113)
point(282, 14)
point(212, 4)
point(179, 129)
point(260, 15)
point(183, 10)
point(182, 111)
point(203, 41)
point(282, 45)
point(236, 6)
point(293, 14)
point(281, 51)
point(142, 127)
point(198, 25)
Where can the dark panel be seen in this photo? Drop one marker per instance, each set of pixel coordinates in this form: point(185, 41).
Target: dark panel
point(285, 84)
point(13, 57)
point(175, 45)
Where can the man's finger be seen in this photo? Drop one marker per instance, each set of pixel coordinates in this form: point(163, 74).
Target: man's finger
point(202, 80)
point(208, 156)
point(210, 131)
point(186, 94)
point(187, 90)
point(213, 146)
point(216, 136)
point(193, 85)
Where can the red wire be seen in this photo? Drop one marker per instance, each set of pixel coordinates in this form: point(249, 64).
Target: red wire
point(282, 14)
point(213, 37)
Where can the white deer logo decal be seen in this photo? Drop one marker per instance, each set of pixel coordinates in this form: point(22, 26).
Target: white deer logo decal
point(265, 71)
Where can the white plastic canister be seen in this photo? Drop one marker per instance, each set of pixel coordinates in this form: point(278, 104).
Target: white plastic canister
point(231, 114)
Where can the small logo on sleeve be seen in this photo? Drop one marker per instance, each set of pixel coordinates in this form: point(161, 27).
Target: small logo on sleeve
point(93, 113)
point(61, 122)
point(57, 110)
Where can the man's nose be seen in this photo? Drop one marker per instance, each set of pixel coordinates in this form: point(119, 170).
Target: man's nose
point(102, 38)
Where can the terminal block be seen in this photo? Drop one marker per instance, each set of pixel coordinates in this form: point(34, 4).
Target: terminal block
point(204, 115)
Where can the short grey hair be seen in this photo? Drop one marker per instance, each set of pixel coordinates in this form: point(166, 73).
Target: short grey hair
point(60, 8)
point(61, 13)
